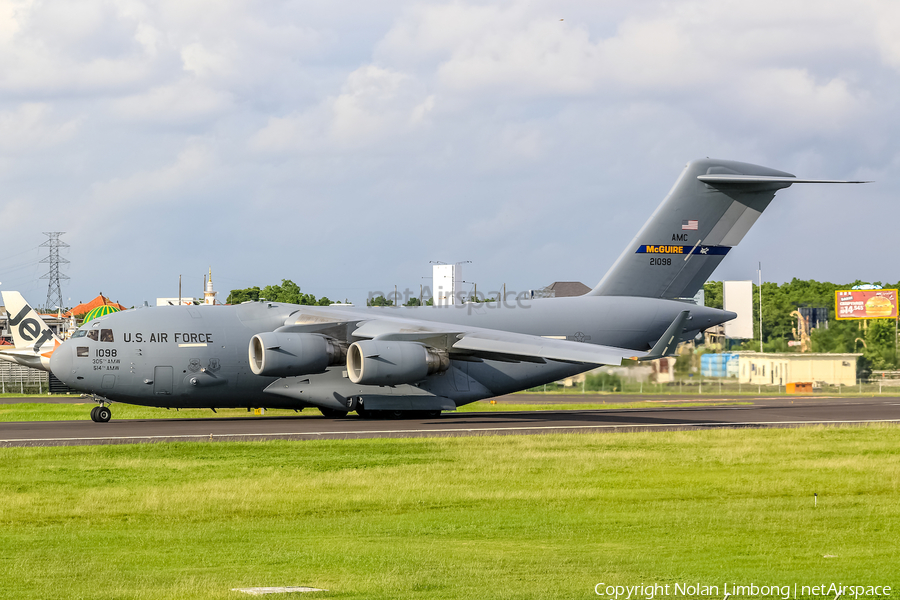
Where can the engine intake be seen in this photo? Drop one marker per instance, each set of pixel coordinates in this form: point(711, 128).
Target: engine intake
point(277, 354)
point(379, 362)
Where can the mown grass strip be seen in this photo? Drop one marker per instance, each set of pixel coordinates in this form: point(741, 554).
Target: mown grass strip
point(82, 411)
point(505, 406)
point(485, 517)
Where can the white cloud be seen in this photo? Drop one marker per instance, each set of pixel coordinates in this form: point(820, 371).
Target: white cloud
point(183, 101)
point(204, 62)
point(193, 165)
point(31, 126)
point(885, 16)
point(794, 99)
point(477, 124)
point(372, 101)
point(374, 104)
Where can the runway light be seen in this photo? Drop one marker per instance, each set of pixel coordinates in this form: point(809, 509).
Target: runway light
point(493, 402)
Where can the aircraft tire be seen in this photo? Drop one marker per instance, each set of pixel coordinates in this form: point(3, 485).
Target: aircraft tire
point(370, 414)
point(103, 414)
point(332, 413)
point(431, 414)
point(94, 414)
point(392, 414)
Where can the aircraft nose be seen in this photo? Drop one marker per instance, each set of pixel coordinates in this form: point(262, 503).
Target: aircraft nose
point(61, 362)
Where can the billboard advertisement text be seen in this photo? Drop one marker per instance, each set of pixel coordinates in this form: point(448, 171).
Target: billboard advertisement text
point(865, 304)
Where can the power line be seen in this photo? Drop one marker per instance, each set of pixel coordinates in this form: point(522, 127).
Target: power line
point(54, 292)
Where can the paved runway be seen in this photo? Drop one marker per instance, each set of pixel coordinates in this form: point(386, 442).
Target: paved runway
point(764, 412)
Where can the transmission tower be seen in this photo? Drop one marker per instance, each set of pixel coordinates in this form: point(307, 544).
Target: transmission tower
point(54, 293)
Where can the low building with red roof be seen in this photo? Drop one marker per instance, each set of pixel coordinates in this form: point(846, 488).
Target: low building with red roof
point(86, 307)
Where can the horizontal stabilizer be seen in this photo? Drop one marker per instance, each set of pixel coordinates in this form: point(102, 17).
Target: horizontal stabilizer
point(751, 179)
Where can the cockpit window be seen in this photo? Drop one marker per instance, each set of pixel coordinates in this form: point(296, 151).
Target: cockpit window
point(93, 334)
point(106, 335)
point(79, 333)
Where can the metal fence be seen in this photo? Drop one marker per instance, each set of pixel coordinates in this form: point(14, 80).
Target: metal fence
point(715, 386)
point(16, 379)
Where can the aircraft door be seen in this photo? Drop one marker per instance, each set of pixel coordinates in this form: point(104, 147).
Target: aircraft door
point(162, 381)
point(461, 376)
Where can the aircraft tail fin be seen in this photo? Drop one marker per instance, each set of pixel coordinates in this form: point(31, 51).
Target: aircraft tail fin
point(708, 211)
point(34, 340)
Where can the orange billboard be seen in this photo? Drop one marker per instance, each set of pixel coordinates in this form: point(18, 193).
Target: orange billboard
point(865, 304)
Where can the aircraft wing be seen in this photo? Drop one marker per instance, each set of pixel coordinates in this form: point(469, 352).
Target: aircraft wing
point(517, 344)
point(473, 342)
point(565, 350)
point(489, 343)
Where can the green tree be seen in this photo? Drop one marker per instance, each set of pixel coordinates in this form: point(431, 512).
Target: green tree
point(880, 349)
point(246, 295)
point(712, 294)
point(379, 301)
point(288, 292)
point(608, 382)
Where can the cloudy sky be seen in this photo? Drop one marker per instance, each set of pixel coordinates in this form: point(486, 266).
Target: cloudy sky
point(344, 145)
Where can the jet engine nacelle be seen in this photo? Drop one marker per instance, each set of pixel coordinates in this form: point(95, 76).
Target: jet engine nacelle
point(278, 354)
point(379, 362)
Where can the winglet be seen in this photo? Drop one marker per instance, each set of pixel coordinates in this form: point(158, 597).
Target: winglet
point(666, 344)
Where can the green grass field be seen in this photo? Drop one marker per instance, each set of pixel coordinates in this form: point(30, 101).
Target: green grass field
point(479, 517)
point(28, 411)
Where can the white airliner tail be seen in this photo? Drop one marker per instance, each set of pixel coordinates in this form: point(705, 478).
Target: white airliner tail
point(34, 340)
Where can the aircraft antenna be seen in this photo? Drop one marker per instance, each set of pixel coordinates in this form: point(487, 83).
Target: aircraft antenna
point(54, 292)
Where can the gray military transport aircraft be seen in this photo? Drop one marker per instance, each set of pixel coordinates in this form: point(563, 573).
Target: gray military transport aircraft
point(406, 361)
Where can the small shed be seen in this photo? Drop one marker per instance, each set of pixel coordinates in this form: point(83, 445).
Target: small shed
point(783, 368)
point(719, 365)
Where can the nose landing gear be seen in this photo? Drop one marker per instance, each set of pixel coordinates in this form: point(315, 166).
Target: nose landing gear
point(101, 414)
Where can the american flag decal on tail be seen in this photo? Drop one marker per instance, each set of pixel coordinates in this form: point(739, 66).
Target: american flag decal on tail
point(690, 225)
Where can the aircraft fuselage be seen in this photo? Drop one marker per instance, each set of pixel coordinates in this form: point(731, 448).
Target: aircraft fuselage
point(197, 356)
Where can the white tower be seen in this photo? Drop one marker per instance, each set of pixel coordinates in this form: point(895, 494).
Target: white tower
point(209, 296)
point(446, 280)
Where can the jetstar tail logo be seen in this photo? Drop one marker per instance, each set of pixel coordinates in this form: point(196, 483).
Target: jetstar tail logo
point(29, 328)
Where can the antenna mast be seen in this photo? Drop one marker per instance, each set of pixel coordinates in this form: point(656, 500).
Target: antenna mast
point(54, 293)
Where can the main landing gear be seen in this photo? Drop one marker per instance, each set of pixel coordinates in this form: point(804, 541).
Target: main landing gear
point(397, 414)
point(101, 414)
point(332, 413)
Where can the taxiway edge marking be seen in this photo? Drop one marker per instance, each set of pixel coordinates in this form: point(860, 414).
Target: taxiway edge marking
point(200, 436)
